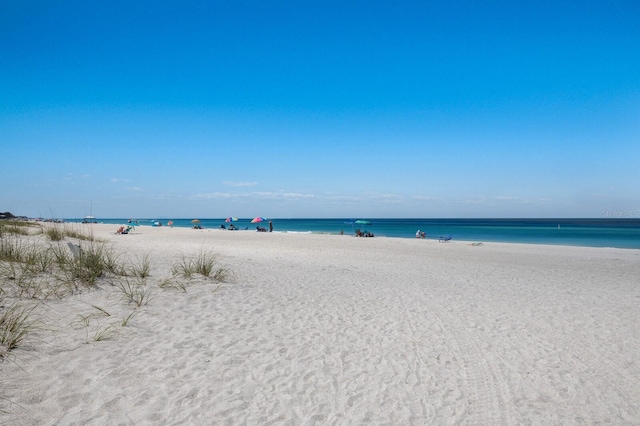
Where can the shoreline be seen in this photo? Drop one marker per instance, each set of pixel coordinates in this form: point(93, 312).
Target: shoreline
point(348, 235)
point(574, 232)
point(336, 329)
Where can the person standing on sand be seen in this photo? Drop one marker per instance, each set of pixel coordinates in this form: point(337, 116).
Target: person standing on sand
point(270, 226)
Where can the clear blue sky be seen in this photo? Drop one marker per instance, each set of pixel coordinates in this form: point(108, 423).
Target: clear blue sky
point(319, 109)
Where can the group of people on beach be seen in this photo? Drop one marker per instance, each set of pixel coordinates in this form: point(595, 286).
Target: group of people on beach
point(262, 229)
point(259, 228)
point(123, 230)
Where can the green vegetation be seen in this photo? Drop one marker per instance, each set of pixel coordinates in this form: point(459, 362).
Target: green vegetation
point(204, 263)
point(42, 262)
point(135, 292)
point(15, 325)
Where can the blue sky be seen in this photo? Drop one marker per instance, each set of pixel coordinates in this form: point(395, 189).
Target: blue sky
point(319, 109)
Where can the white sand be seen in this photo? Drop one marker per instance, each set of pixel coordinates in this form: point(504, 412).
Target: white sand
point(320, 329)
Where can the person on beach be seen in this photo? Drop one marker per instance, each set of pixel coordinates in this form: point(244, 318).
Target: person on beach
point(270, 226)
point(418, 233)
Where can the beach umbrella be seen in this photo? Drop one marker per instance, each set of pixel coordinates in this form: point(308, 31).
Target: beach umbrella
point(231, 219)
point(195, 221)
point(259, 219)
point(362, 222)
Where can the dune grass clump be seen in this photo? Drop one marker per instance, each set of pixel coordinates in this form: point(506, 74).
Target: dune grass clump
point(172, 284)
point(33, 256)
point(93, 261)
point(32, 268)
point(78, 235)
point(26, 283)
point(58, 233)
point(86, 268)
point(222, 275)
point(55, 262)
point(204, 263)
point(100, 333)
point(106, 333)
point(15, 325)
point(183, 268)
point(135, 291)
point(54, 233)
point(142, 269)
point(13, 249)
point(24, 267)
point(132, 314)
point(16, 227)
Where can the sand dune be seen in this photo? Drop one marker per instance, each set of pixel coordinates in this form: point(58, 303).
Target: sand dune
point(321, 329)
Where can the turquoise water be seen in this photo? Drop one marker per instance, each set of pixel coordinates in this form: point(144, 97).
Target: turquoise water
point(620, 233)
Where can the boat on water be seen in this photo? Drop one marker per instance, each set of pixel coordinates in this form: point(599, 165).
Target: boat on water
point(89, 219)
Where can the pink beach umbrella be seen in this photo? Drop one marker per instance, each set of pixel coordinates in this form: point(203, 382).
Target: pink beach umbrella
point(258, 219)
point(231, 219)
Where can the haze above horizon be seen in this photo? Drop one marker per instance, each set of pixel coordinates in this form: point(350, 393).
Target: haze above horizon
point(391, 109)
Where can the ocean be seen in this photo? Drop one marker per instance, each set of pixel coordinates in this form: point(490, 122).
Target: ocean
point(606, 232)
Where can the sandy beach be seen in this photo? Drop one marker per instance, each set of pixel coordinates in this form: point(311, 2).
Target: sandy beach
point(327, 329)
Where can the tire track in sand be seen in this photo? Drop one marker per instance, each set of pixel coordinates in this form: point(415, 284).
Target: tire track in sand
point(482, 378)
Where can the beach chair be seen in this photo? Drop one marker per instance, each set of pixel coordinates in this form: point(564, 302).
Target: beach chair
point(445, 239)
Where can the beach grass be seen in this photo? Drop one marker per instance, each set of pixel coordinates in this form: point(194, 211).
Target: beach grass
point(172, 284)
point(142, 268)
point(17, 227)
point(41, 262)
point(132, 314)
point(72, 233)
point(184, 267)
point(106, 333)
point(135, 291)
point(54, 233)
point(84, 270)
point(15, 324)
point(59, 232)
point(205, 263)
point(13, 248)
point(32, 263)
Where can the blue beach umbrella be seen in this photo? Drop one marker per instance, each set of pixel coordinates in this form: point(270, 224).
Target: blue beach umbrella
point(259, 219)
point(231, 219)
